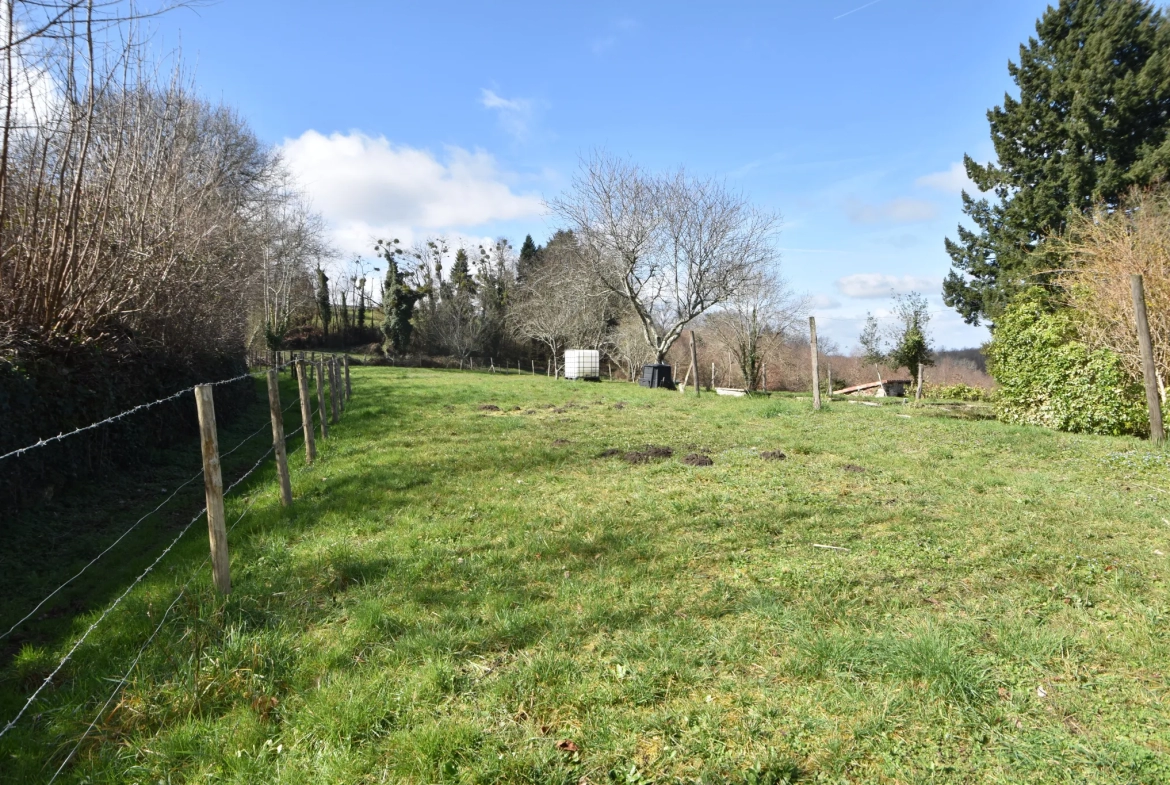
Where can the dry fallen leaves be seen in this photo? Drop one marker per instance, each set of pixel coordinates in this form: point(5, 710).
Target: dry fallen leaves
point(564, 745)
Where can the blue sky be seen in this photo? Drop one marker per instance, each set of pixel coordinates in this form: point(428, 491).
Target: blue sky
point(848, 117)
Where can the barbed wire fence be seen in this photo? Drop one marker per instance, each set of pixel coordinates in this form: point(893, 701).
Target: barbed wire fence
point(330, 373)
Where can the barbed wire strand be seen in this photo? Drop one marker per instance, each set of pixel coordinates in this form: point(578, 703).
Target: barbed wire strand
point(77, 644)
point(138, 657)
point(127, 413)
point(166, 614)
point(142, 650)
point(134, 526)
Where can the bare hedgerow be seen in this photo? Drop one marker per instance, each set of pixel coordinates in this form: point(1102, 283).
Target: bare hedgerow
point(1104, 248)
point(131, 209)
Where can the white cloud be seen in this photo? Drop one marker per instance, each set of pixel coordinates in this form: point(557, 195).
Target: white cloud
point(952, 181)
point(515, 114)
point(873, 285)
point(366, 186)
point(898, 211)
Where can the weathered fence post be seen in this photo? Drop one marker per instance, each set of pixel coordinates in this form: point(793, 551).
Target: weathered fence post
point(334, 403)
point(918, 389)
point(278, 447)
point(340, 385)
point(306, 411)
point(764, 370)
point(712, 376)
point(213, 488)
point(695, 361)
point(1157, 433)
point(348, 387)
point(322, 412)
point(816, 371)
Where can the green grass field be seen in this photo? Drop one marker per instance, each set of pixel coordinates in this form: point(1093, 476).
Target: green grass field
point(466, 594)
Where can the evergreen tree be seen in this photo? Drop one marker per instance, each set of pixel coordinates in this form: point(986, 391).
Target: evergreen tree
point(324, 308)
point(529, 259)
point(461, 277)
point(398, 299)
point(1090, 123)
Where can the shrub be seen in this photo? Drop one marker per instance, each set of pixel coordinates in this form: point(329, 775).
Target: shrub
point(958, 392)
point(1047, 376)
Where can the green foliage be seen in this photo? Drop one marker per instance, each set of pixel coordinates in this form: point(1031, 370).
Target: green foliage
point(529, 259)
point(398, 299)
point(1047, 377)
point(959, 392)
point(1089, 124)
point(324, 308)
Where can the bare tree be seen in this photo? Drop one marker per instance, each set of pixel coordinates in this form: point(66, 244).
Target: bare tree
point(560, 305)
point(672, 246)
point(755, 320)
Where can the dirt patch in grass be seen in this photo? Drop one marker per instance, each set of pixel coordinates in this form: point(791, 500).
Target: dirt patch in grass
point(773, 455)
point(648, 453)
point(561, 443)
point(488, 407)
point(854, 468)
point(610, 453)
point(620, 405)
point(697, 459)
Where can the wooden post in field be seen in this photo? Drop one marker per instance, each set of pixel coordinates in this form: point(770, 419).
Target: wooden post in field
point(306, 412)
point(918, 389)
point(334, 404)
point(533, 367)
point(764, 368)
point(712, 376)
point(695, 361)
point(348, 386)
point(277, 413)
point(213, 488)
point(816, 371)
point(322, 412)
point(1157, 433)
point(829, 382)
point(340, 384)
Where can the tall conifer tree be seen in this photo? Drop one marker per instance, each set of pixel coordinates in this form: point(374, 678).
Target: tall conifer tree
point(1091, 121)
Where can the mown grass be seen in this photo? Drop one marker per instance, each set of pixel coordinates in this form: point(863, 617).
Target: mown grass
point(465, 594)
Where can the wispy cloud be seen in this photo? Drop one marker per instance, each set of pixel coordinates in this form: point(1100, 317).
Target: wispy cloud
point(515, 114)
point(952, 181)
point(618, 29)
point(896, 211)
point(855, 10)
point(874, 285)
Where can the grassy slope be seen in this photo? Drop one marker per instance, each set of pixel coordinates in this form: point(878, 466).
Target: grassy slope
point(453, 594)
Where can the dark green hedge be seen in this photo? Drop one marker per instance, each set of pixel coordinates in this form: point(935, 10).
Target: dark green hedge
point(54, 390)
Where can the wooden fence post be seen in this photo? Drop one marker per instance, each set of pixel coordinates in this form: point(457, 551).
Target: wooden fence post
point(1157, 433)
point(213, 488)
point(918, 389)
point(334, 403)
point(764, 369)
point(816, 371)
point(278, 447)
point(306, 412)
point(695, 361)
point(348, 387)
point(322, 412)
point(340, 385)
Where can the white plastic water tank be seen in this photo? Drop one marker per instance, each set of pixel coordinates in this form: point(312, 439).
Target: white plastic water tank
point(582, 364)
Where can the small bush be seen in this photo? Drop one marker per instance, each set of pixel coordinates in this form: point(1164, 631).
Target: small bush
point(1048, 377)
point(958, 392)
